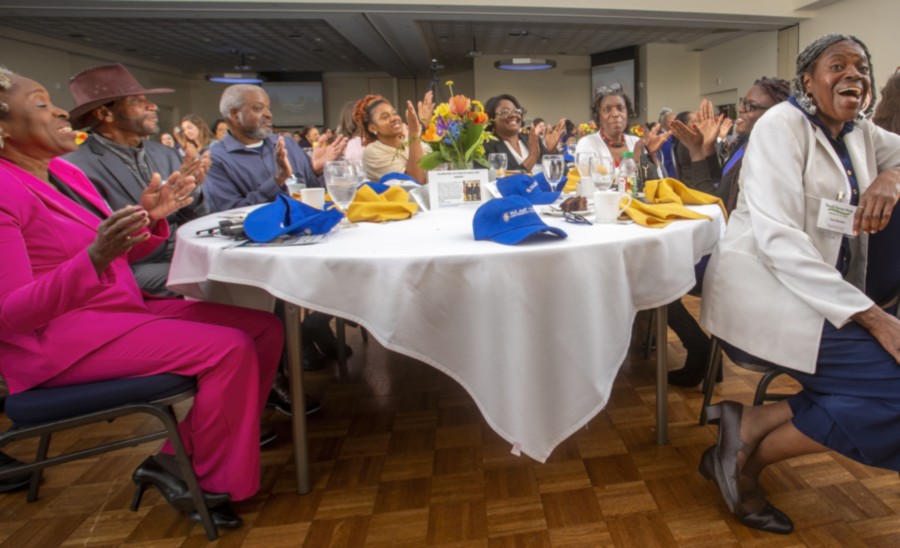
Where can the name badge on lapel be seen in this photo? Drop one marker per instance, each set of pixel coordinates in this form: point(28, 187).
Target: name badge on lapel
point(836, 216)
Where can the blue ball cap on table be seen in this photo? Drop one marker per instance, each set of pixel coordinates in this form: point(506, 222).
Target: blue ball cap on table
point(509, 221)
point(288, 216)
point(528, 187)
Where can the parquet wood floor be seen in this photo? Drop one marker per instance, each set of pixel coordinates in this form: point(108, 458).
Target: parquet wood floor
point(402, 457)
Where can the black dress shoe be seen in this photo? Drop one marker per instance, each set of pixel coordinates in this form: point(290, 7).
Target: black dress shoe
point(694, 370)
point(14, 483)
point(330, 349)
point(172, 488)
point(280, 396)
point(222, 516)
point(768, 518)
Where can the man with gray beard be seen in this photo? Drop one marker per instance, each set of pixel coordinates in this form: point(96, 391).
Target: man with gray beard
point(251, 165)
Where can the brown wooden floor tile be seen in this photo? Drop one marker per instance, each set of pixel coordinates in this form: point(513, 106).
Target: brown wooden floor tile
point(467, 486)
point(625, 498)
point(450, 522)
point(568, 508)
point(276, 536)
point(398, 529)
point(337, 533)
point(562, 476)
point(510, 482)
point(536, 539)
point(344, 503)
point(589, 535)
point(399, 466)
point(509, 516)
point(397, 496)
point(355, 472)
point(457, 460)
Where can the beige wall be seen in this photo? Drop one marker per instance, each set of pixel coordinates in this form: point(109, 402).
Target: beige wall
point(669, 78)
point(872, 21)
point(563, 92)
point(734, 66)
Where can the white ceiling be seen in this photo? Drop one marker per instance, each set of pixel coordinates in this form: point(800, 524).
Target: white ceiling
point(401, 40)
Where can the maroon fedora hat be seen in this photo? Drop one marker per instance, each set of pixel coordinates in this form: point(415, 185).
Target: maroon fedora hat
point(99, 85)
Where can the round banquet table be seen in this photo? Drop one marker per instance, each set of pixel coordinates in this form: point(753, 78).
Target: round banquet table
point(535, 332)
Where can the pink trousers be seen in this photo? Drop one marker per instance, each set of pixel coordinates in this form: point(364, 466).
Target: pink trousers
point(233, 352)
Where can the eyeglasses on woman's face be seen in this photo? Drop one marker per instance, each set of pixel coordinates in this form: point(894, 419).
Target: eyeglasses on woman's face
point(751, 106)
point(507, 112)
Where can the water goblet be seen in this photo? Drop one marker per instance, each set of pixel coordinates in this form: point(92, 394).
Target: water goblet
point(341, 180)
point(554, 169)
point(602, 171)
point(498, 163)
point(583, 163)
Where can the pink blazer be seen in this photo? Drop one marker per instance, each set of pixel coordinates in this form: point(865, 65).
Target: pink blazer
point(54, 308)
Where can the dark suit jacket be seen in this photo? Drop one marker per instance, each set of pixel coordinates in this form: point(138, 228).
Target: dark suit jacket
point(120, 187)
point(511, 163)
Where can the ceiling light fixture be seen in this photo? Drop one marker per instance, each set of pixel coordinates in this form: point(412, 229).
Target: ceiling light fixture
point(236, 78)
point(525, 63)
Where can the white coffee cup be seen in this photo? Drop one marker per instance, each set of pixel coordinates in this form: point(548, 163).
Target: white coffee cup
point(313, 197)
point(609, 204)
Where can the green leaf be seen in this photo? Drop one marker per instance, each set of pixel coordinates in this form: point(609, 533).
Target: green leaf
point(431, 160)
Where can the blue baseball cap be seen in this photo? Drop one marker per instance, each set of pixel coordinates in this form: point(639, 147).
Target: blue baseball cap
point(288, 216)
point(525, 185)
point(509, 221)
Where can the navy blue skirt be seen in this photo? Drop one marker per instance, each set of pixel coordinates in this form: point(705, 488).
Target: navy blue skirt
point(852, 403)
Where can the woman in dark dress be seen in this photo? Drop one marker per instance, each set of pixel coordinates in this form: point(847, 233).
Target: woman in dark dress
point(523, 150)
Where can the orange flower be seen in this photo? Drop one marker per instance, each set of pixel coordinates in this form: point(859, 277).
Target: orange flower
point(80, 137)
point(459, 104)
point(478, 117)
point(431, 134)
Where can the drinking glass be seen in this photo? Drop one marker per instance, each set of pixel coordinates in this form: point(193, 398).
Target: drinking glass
point(498, 163)
point(341, 180)
point(583, 163)
point(602, 172)
point(554, 169)
point(570, 149)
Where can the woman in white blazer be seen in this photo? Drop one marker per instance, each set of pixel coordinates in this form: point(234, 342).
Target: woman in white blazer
point(783, 288)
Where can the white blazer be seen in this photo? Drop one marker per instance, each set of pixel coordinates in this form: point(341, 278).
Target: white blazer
point(771, 282)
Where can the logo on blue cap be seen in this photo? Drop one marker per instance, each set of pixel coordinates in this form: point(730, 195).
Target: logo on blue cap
point(288, 216)
point(509, 221)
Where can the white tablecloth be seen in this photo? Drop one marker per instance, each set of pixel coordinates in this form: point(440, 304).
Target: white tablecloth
point(535, 333)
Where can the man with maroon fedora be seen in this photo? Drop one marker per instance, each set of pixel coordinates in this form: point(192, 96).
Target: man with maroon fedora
point(120, 161)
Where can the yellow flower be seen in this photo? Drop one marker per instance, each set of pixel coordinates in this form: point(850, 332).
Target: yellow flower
point(477, 106)
point(442, 110)
point(80, 137)
point(449, 83)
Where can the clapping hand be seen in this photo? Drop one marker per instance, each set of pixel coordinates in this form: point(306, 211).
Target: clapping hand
point(426, 107)
point(551, 139)
point(709, 125)
point(117, 235)
point(654, 138)
point(160, 200)
point(196, 167)
point(283, 170)
point(324, 152)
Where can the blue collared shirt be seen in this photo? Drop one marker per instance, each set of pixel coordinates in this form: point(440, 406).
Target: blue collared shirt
point(242, 175)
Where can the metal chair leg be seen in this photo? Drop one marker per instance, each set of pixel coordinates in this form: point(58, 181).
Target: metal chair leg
point(763, 386)
point(340, 328)
point(712, 372)
point(35, 483)
point(169, 421)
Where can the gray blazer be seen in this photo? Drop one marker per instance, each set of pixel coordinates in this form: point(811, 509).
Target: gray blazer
point(120, 187)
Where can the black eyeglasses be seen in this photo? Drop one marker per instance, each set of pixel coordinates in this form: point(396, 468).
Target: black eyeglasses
point(750, 106)
point(509, 112)
point(575, 218)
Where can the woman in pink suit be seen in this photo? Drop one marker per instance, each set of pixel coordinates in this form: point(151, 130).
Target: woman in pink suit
point(71, 312)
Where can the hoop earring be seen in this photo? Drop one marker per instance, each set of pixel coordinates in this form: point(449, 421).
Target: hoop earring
point(805, 102)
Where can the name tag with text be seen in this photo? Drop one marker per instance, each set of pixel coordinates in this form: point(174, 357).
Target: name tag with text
point(836, 216)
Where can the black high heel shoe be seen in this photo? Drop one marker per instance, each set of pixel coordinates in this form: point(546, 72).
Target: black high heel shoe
point(223, 516)
point(172, 488)
point(768, 518)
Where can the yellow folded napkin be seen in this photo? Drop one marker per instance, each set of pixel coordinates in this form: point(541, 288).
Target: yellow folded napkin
point(391, 205)
point(572, 180)
point(667, 198)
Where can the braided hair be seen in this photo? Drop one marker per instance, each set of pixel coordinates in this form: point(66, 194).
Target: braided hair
point(776, 88)
point(362, 115)
point(6, 85)
point(806, 64)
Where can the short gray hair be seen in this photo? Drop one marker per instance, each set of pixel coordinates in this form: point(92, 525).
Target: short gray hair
point(233, 98)
point(6, 85)
point(663, 113)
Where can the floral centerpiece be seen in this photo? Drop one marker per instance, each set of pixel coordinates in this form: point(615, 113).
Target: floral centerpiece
point(456, 134)
point(587, 128)
point(637, 130)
